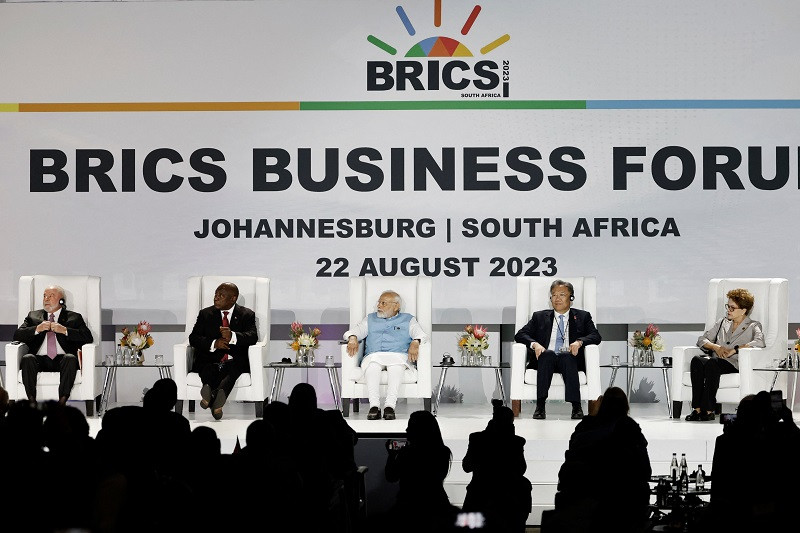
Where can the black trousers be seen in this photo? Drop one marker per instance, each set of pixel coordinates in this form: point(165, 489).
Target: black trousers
point(705, 374)
point(565, 364)
point(64, 363)
point(222, 375)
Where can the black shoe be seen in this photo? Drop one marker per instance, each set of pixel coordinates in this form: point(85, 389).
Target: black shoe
point(577, 413)
point(388, 413)
point(216, 405)
point(374, 413)
point(694, 416)
point(205, 394)
point(539, 414)
point(705, 417)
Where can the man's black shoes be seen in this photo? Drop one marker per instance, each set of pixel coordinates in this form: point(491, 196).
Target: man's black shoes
point(388, 413)
point(539, 414)
point(577, 413)
point(374, 413)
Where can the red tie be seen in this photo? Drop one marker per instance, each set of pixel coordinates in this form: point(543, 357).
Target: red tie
point(52, 347)
point(225, 324)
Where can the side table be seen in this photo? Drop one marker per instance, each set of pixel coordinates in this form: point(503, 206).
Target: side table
point(631, 372)
point(497, 373)
point(111, 377)
point(793, 371)
point(333, 378)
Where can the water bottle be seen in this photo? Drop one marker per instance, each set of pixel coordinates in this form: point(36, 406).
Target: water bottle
point(673, 469)
point(684, 481)
point(700, 482)
point(118, 355)
point(684, 466)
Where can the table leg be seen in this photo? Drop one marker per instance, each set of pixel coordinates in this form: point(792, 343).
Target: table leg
point(439, 390)
point(332, 380)
point(794, 390)
point(274, 384)
point(631, 372)
point(499, 377)
point(281, 373)
point(104, 394)
point(613, 376)
point(338, 394)
point(774, 379)
point(666, 388)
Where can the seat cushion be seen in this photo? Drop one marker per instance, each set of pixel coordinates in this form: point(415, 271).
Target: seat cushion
point(726, 381)
point(50, 378)
point(558, 380)
point(193, 380)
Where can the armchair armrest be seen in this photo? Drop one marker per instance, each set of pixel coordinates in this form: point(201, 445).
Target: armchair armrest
point(424, 367)
point(350, 364)
point(519, 354)
point(89, 358)
point(14, 353)
point(257, 357)
point(183, 359)
point(591, 354)
point(750, 358)
point(681, 359)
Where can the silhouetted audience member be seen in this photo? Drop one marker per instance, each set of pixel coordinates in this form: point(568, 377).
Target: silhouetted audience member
point(754, 472)
point(25, 472)
point(603, 484)
point(420, 467)
point(499, 488)
point(162, 395)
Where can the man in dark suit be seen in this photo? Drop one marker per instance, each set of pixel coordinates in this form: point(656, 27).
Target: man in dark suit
point(53, 336)
point(555, 339)
point(221, 336)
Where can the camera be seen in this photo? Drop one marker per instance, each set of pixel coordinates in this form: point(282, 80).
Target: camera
point(727, 418)
point(776, 397)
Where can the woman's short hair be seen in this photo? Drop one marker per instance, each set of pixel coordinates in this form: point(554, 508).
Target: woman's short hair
point(743, 298)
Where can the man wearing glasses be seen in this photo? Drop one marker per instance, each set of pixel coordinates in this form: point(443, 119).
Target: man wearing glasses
point(555, 339)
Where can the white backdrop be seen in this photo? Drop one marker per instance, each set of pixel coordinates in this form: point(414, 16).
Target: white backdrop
point(142, 242)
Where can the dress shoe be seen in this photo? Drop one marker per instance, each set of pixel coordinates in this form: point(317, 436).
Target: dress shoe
point(694, 416)
point(577, 413)
point(705, 417)
point(539, 414)
point(62, 400)
point(388, 413)
point(205, 394)
point(216, 405)
point(374, 413)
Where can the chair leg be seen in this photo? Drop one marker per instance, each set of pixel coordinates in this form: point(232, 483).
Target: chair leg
point(676, 409)
point(356, 404)
point(98, 402)
point(89, 407)
point(516, 407)
point(717, 408)
point(259, 409)
point(179, 406)
point(345, 406)
point(427, 403)
point(191, 406)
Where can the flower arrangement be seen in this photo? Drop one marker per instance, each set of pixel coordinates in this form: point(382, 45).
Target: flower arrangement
point(474, 339)
point(301, 339)
point(649, 340)
point(797, 342)
point(139, 339)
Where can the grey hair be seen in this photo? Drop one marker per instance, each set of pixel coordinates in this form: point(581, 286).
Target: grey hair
point(398, 300)
point(59, 288)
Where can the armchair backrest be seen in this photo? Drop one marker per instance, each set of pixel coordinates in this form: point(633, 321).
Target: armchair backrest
point(533, 294)
point(415, 292)
point(770, 307)
point(82, 296)
point(253, 294)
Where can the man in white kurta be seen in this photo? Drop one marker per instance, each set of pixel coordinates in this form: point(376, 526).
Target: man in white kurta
point(392, 342)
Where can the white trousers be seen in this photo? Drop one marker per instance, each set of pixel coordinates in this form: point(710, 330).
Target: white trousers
point(372, 375)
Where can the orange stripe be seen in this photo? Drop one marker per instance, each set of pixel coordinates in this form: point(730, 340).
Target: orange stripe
point(157, 106)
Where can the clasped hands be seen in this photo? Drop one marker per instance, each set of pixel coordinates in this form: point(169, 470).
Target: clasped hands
point(55, 327)
point(413, 348)
point(723, 352)
point(225, 338)
point(573, 348)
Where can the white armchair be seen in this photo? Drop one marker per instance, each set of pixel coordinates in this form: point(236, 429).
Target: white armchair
point(364, 294)
point(82, 296)
point(771, 309)
point(533, 294)
point(250, 387)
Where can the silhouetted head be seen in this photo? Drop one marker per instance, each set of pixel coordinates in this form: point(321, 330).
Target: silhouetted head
point(163, 395)
point(614, 404)
point(502, 418)
point(303, 398)
point(204, 442)
point(423, 429)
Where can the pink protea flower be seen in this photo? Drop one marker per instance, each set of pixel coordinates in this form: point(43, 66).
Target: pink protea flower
point(479, 332)
point(798, 332)
point(315, 332)
point(143, 328)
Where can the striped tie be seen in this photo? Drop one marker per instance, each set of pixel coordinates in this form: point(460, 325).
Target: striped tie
point(52, 346)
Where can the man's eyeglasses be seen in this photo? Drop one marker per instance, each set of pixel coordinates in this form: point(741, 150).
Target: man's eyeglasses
point(560, 296)
point(731, 308)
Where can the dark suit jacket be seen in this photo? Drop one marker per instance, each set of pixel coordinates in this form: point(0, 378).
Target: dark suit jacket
point(77, 335)
point(206, 331)
point(581, 327)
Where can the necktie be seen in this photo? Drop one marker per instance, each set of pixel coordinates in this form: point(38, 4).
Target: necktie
point(560, 334)
point(225, 324)
point(52, 347)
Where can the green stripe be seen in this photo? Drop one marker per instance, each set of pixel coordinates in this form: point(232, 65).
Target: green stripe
point(477, 103)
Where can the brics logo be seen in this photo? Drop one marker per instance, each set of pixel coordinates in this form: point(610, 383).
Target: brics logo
point(459, 70)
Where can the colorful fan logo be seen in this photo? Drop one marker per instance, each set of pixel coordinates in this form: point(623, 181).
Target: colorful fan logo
point(438, 46)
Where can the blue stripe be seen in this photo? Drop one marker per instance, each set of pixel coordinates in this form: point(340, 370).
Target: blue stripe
point(692, 104)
